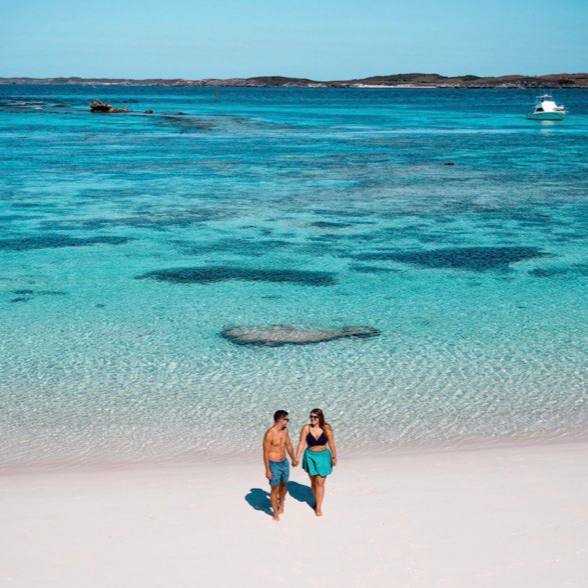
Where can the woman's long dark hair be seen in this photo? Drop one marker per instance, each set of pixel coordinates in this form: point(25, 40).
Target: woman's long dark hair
point(321, 418)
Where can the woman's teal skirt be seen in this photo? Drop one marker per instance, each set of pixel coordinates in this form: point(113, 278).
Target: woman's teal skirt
point(318, 463)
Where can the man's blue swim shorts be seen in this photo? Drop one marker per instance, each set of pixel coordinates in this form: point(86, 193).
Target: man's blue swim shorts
point(280, 471)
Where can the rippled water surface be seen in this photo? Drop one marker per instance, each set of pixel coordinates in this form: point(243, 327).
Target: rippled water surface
point(129, 242)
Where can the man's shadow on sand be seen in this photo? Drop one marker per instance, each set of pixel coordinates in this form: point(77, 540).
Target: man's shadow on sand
point(259, 499)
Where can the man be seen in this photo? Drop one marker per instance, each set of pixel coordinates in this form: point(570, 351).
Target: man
point(276, 442)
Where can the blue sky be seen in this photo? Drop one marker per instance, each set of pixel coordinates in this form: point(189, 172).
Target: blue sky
point(320, 39)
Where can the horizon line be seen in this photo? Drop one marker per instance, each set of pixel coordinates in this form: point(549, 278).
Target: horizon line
point(291, 77)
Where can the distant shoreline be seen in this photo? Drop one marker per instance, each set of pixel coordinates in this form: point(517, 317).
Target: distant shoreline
point(410, 81)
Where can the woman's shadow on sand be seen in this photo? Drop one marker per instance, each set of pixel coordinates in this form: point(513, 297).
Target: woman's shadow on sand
point(301, 493)
point(259, 499)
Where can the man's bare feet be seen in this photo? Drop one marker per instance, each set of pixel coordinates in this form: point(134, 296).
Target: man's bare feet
point(318, 513)
point(276, 517)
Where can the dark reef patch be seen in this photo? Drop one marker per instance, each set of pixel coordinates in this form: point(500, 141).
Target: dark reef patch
point(344, 213)
point(31, 205)
point(444, 220)
point(331, 225)
point(327, 237)
point(478, 259)
point(278, 335)
point(321, 248)
point(57, 241)
point(245, 247)
point(365, 237)
point(183, 123)
point(157, 220)
point(371, 269)
point(435, 237)
point(570, 237)
point(578, 269)
point(26, 294)
point(56, 225)
point(6, 218)
point(213, 274)
point(541, 272)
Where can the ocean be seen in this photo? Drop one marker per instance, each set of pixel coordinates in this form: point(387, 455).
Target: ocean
point(442, 219)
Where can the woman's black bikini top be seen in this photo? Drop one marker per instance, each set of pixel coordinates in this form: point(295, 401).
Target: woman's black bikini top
point(313, 441)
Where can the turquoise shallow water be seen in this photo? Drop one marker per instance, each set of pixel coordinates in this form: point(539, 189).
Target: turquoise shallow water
point(475, 273)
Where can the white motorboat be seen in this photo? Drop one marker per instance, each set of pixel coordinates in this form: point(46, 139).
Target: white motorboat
point(547, 109)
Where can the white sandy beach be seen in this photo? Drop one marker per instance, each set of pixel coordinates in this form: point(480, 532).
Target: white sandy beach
point(486, 518)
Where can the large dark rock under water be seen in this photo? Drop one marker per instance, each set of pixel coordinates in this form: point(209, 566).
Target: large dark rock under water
point(468, 258)
point(278, 335)
point(209, 275)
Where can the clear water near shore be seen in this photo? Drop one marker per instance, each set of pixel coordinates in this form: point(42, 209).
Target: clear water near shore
point(474, 273)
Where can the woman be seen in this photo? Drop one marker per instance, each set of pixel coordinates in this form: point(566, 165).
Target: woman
point(318, 459)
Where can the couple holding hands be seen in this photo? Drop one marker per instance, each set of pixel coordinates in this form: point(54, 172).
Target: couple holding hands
point(319, 458)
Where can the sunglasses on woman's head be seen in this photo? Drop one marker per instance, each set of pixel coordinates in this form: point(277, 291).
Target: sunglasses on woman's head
point(313, 416)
